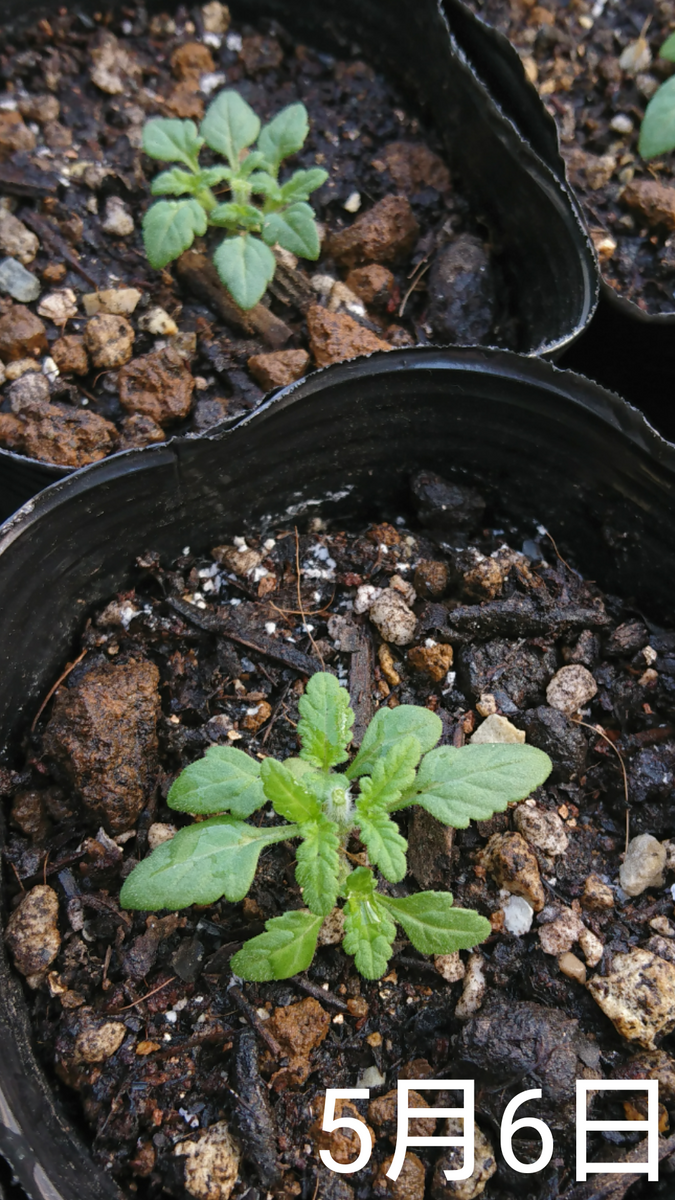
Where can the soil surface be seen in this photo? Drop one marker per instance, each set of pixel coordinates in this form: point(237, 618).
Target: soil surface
point(125, 355)
point(184, 1075)
point(596, 66)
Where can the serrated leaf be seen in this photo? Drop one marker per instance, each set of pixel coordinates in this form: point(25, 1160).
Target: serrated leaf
point(285, 948)
point(326, 721)
point(385, 844)
point(170, 227)
point(251, 162)
point(657, 133)
point(263, 184)
point(246, 266)
point(211, 176)
point(433, 925)
point(295, 229)
point(290, 797)
point(318, 868)
point(369, 931)
point(285, 134)
point(393, 774)
point(387, 727)
point(471, 783)
point(668, 48)
point(174, 183)
point(171, 140)
point(302, 183)
point(224, 780)
point(230, 125)
point(236, 216)
point(200, 864)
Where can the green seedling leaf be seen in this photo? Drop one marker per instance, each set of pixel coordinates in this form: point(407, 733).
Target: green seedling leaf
point(236, 216)
point(229, 126)
point(657, 134)
point(295, 229)
point(302, 183)
point(369, 931)
point(285, 948)
point(385, 844)
point(318, 866)
point(433, 925)
point(170, 227)
point(284, 135)
point(326, 721)
point(393, 774)
point(212, 176)
point(668, 48)
point(387, 727)
point(471, 783)
point(290, 797)
point(174, 182)
point(246, 266)
point(200, 864)
point(171, 140)
point(250, 163)
point(224, 780)
point(263, 184)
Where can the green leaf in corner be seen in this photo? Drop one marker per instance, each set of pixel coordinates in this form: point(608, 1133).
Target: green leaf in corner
point(236, 216)
point(657, 133)
point(668, 48)
point(369, 931)
point(302, 183)
point(224, 780)
point(174, 183)
point(171, 140)
point(318, 868)
point(246, 266)
point(393, 774)
point(326, 721)
point(295, 229)
point(385, 844)
point(285, 948)
point(200, 864)
point(262, 183)
point(471, 783)
point(285, 134)
point(433, 925)
point(170, 227)
point(230, 125)
point(387, 727)
point(290, 797)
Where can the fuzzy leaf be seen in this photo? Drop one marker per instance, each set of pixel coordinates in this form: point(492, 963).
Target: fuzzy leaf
point(317, 872)
point(236, 216)
point(224, 780)
point(471, 783)
point(169, 228)
point(246, 266)
point(263, 184)
point(290, 797)
point(251, 162)
point(302, 183)
point(211, 176)
point(171, 140)
point(385, 844)
point(325, 722)
point(285, 948)
point(392, 775)
point(295, 229)
point(433, 925)
point(285, 134)
point(200, 864)
point(230, 125)
point(668, 48)
point(369, 931)
point(174, 183)
point(657, 134)
point(387, 727)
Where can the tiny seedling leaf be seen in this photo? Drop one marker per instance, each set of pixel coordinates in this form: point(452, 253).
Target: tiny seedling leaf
point(171, 140)
point(387, 727)
point(224, 780)
point(433, 925)
point(318, 868)
point(230, 125)
point(369, 931)
point(295, 229)
point(385, 845)
point(170, 227)
point(471, 783)
point(284, 135)
point(302, 183)
point(326, 721)
point(236, 216)
point(668, 48)
point(200, 864)
point(212, 176)
point(174, 183)
point(657, 134)
point(262, 183)
point(246, 266)
point(392, 775)
point(285, 948)
point(290, 797)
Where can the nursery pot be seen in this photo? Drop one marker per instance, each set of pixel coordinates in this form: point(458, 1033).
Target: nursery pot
point(544, 446)
point(544, 251)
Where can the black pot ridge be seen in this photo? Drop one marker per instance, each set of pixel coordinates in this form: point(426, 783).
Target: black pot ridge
point(444, 63)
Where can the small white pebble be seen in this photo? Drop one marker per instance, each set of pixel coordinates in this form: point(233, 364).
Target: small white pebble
point(353, 202)
point(233, 41)
point(270, 627)
point(269, 544)
point(518, 915)
point(210, 81)
point(621, 123)
point(171, 1017)
point(372, 1077)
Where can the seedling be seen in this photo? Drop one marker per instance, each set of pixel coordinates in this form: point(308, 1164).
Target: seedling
point(657, 133)
point(243, 259)
point(218, 857)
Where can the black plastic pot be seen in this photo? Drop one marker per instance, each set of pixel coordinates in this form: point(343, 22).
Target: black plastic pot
point(544, 445)
point(545, 253)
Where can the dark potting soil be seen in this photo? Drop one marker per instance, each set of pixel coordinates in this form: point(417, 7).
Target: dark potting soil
point(137, 1017)
point(596, 66)
point(177, 355)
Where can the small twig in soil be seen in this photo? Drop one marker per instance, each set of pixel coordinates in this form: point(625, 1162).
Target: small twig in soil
point(560, 557)
point(71, 667)
point(276, 714)
point(319, 994)
point(601, 733)
point(144, 998)
point(18, 877)
point(287, 655)
point(44, 868)
point(247, 1010)
point(302, 611)
point(415, 280)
